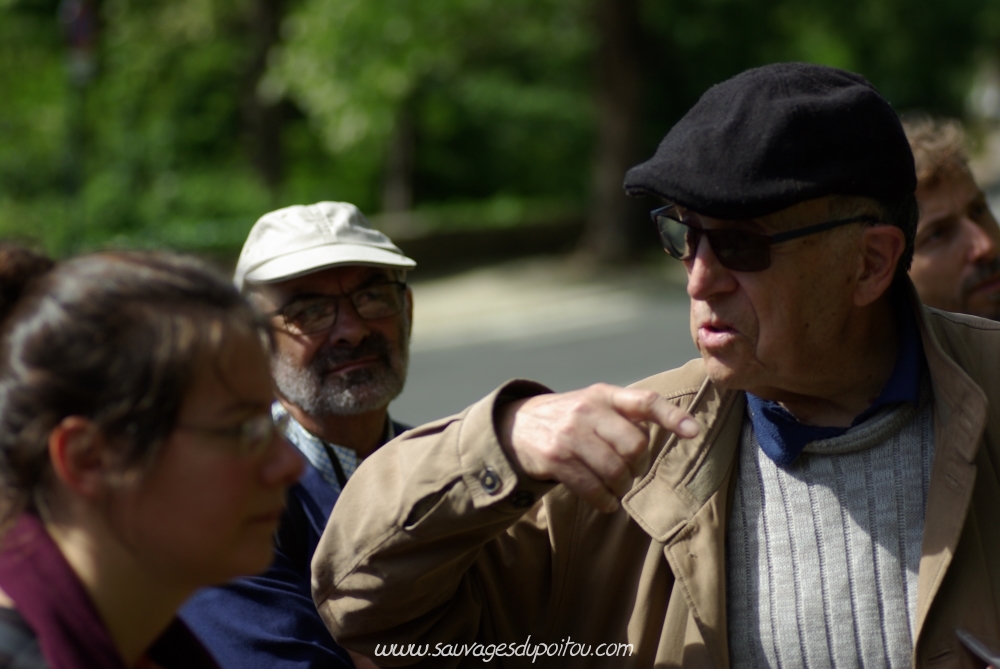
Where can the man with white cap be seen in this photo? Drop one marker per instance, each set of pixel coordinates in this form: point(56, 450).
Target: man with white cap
point(335, 292)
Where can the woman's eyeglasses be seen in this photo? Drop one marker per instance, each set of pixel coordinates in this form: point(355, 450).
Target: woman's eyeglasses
point(251, 437)
point(738, 250)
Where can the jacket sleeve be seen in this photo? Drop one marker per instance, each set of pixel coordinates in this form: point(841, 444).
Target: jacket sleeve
point(437, 539)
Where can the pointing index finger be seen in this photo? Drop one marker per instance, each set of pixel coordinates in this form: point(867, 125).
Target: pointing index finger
point(638, 405)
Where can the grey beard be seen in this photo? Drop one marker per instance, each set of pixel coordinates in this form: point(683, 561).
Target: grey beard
point(319, 394)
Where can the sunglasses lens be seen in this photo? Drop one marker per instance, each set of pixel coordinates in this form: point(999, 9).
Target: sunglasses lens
point(739, 250)
point(678, 239)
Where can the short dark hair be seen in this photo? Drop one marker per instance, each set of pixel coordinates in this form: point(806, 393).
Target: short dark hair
point(899, 211)
point(116, 338)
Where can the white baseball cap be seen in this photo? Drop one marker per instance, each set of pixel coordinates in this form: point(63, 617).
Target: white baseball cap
point(302, 239)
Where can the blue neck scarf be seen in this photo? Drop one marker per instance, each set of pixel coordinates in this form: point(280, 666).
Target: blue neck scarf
point(782, 437)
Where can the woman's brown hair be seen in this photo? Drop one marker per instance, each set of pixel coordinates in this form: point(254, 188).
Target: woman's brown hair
point(115, 338)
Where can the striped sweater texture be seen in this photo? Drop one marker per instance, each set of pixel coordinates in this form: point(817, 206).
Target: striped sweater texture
point(822, 556)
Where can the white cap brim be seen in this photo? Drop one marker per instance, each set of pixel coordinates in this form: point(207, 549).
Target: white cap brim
point(317, 258)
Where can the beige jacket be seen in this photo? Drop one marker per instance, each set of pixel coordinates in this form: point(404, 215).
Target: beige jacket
point(436, 538)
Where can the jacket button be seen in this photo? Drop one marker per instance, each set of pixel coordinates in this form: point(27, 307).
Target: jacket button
point(490, 481)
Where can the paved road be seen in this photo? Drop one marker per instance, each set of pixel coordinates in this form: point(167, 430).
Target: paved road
point(544, 319)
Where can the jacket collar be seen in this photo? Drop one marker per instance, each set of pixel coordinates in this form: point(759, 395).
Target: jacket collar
point(960, 413)
point(687, 472)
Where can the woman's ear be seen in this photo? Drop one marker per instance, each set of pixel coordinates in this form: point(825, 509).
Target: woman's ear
point(78, 455)
point(881, 247)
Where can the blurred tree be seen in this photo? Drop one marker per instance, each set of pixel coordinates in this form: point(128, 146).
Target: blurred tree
point(477, 96)
point(204, 113)
point(397, 184)
point(32, 119)
point(176, 114)
point(182, 146)
point(618, 83)
point(263, 117)
point(79, 24)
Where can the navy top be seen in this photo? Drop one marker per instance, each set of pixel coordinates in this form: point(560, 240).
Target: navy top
point(782, 437)
point(270, 621)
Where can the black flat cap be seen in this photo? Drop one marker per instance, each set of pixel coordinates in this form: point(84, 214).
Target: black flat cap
point(778, 135)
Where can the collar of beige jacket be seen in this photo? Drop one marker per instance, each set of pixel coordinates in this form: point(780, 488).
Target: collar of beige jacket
point(687, 472)
point(960, 415)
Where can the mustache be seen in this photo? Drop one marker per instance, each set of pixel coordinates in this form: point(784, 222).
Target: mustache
point(982, 272)
point(329, 357)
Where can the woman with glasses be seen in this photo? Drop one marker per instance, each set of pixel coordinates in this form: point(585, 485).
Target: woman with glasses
point(138, 460)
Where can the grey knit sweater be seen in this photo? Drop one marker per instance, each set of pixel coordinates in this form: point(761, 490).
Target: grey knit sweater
point(822, 557)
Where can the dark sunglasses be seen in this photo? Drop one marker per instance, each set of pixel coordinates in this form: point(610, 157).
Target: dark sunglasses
point(738, 250)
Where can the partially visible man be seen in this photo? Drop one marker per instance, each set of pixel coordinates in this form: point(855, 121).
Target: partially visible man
point(956, 262)
point(335, 292)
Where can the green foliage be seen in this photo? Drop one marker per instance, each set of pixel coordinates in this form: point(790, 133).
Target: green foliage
point(920, 53)
point(32, 114)
point(499, 89)
point(162, 157)
point(499, 94)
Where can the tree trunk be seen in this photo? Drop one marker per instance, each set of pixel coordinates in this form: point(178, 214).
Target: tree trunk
point(608, 236)
point(263, 119)
point(397, 185)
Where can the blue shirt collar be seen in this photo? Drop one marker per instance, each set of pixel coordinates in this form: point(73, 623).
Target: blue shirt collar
point(312, 447)
point(782, 437)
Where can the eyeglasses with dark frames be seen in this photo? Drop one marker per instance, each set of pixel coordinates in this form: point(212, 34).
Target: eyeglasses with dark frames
point(738, 250)
point(316, 313)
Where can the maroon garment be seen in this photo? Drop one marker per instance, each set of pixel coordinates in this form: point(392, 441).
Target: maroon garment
point(52, 600)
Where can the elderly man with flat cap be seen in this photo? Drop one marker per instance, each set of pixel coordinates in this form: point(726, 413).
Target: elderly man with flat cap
point(819, 489)
point(335, 292)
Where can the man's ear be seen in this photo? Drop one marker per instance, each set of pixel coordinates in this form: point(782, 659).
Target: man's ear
point(881, 248)
point(77, 450)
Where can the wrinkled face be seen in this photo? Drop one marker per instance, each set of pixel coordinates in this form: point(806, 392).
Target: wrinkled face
point(205, 512)
point(358, 365)
point(956, 266)
point(766, 331)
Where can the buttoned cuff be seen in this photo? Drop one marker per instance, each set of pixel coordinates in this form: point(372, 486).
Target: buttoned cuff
point(487, 472)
